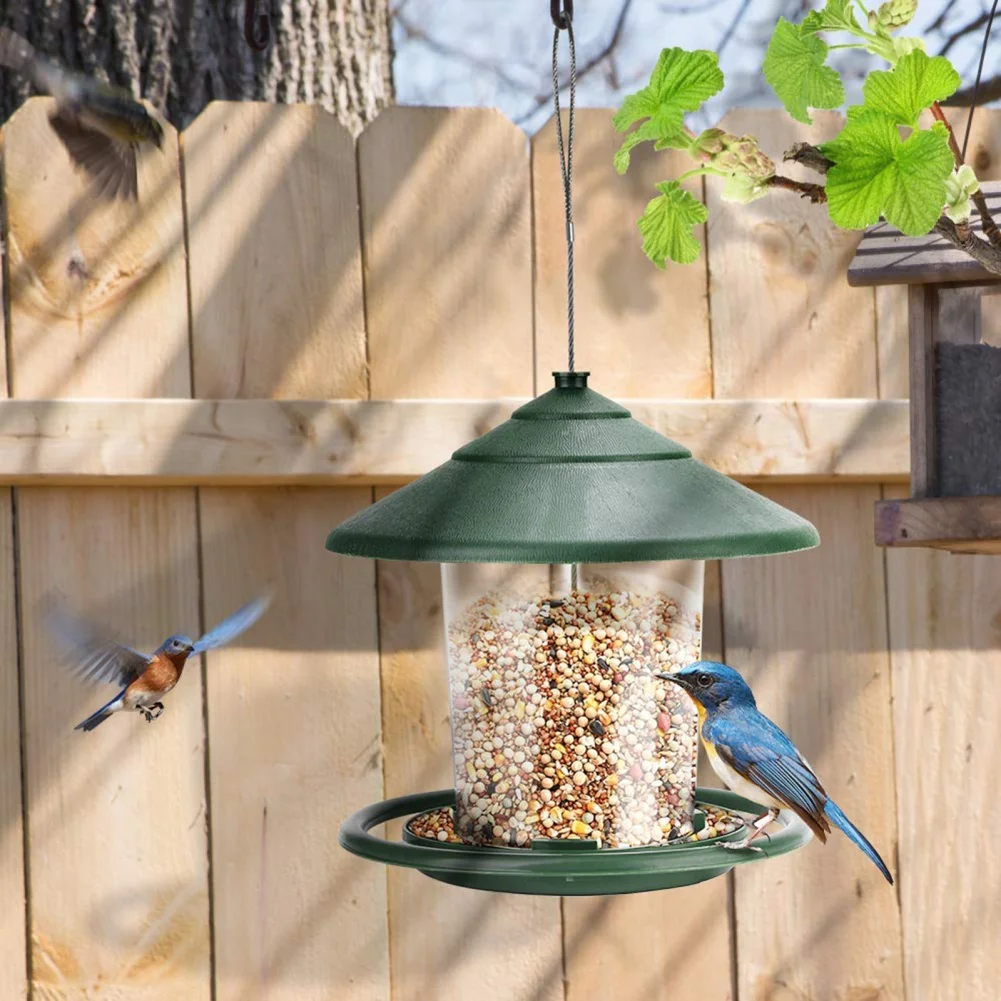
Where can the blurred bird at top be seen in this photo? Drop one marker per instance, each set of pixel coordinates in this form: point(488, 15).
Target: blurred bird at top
point(144, 678)
point(757, 760)
point(102, 127)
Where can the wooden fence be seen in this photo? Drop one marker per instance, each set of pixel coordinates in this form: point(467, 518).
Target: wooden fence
point(292, 324)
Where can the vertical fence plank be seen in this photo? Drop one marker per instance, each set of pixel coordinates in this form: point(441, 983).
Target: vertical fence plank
point(448, 268)
point(294, 718)
point(944, 629)
point(447, 942)
point(13, 967)
point(13, 964)
point(449, 306)
point(641, 333)
point(639, 330)
point(809, 630)
point(276, 270)
point(777, 285)
point(116, 839)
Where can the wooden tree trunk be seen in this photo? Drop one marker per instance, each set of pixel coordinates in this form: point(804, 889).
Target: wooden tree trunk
point(181, 54)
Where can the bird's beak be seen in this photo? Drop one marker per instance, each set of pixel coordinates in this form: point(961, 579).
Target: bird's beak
point(680, 682)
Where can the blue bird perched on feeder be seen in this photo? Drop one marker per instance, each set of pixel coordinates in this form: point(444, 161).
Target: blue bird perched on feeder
point(757, 760)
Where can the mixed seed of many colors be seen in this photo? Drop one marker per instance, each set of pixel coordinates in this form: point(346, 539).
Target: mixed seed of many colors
point(560, 728)
point(439, 825)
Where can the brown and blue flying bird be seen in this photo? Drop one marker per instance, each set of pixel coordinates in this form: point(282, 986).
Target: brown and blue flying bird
point(144, 679)
point(102, 127)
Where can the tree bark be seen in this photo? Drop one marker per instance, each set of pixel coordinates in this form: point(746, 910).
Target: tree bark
point(181, 54)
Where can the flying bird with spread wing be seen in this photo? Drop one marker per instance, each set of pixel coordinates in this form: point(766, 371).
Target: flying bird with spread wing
point(102, 127)
point(144, 679)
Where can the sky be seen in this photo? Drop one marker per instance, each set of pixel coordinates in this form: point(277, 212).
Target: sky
point(498, 52)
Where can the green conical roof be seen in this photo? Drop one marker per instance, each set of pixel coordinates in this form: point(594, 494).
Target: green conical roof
point(571, 478)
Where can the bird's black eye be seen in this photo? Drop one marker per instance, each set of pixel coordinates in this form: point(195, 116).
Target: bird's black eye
point(704, 680)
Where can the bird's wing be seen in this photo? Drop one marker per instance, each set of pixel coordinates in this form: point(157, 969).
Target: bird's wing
point(760, 752)
point(110, 162)
point(95, 654)
point(227, 630)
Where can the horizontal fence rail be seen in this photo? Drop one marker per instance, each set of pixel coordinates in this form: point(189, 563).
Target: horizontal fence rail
point(357, 442)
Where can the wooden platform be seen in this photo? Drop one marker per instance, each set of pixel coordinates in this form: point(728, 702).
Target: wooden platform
point(886, 257)
point(956, 524)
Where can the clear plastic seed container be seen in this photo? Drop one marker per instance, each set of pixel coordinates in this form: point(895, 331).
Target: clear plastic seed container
point(560, 728)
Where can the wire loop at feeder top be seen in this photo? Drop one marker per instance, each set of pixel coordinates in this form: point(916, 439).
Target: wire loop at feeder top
point(561, 14)
point(571, 478)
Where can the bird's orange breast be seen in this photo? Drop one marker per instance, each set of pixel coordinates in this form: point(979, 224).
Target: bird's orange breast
point(160, 676)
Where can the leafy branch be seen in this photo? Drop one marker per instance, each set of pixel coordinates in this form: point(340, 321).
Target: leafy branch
point(884, 163)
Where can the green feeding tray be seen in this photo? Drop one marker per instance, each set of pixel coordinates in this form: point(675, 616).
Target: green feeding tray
point(564, 868)
point(572, 478)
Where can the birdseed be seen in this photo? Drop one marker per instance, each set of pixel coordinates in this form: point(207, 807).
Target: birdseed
point(439, 825)
point(559, 727)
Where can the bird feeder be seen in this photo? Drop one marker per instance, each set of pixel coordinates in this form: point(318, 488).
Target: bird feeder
point(954, 334)
point(572, 540)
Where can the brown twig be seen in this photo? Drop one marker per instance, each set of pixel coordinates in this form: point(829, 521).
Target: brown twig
point(815, 192)
point(939, 115)
point(809, 156)
point(939, 23)
point(984, 253)
point(990, 90)
point(967, 29)
point(991, 230)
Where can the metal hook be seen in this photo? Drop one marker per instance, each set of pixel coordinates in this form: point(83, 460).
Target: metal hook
point(257, 25)
point(561, 18)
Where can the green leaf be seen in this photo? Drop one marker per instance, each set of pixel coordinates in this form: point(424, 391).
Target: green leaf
point(680, 82)
point(794, 68)
point(913, 85)
point(652, 130)
point(959, 186)
point(836, 15)
point(667, 225)
point(876, 173)
point(646, 132)
point(676, 140)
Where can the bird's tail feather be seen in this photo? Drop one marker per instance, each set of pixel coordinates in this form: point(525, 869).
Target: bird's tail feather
point(16, 53)
point(96, 719)
point(836, 817)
